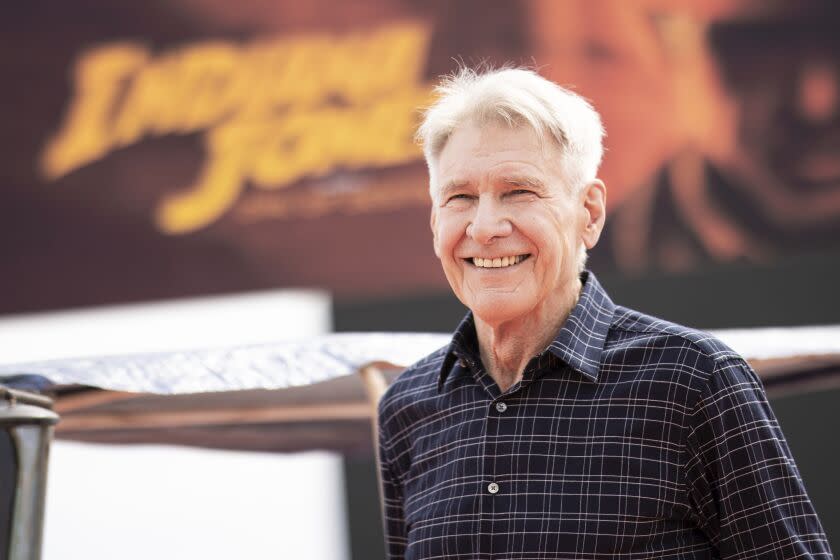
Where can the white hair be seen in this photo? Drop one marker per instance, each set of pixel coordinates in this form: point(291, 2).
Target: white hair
point(515, 97)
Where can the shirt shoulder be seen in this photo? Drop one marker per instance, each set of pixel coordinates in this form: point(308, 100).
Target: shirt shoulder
point(633, 328)
point(663, 350)
point(679, 365)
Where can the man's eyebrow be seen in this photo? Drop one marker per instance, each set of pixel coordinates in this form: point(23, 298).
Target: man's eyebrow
point(453, 185)
point(524, 181)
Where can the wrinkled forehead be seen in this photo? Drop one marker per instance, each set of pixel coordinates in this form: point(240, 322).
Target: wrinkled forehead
point(496, 123)
point(474, 146)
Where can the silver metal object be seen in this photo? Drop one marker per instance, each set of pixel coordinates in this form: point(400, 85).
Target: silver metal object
point(29, 424)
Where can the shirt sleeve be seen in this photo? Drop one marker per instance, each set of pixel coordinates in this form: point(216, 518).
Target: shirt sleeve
point(742, 481)
point(392, 503)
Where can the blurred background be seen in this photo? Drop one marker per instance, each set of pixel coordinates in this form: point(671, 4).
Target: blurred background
point(179, 148)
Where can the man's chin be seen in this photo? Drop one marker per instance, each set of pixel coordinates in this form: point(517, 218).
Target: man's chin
point(499, 308)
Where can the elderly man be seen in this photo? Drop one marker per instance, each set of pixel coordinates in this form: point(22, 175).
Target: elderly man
point(557, 424)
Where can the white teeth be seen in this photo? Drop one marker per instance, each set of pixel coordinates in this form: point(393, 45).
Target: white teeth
point(499, 262)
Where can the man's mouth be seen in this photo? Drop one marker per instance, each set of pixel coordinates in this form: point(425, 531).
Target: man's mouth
point(498, 262)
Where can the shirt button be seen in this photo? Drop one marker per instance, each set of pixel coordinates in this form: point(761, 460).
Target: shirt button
point(501, 407)
point(492, 487)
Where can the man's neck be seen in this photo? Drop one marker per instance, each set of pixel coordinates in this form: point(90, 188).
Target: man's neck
point(506, 348)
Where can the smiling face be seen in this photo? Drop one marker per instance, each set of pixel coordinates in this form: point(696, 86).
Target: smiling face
point(507, 227)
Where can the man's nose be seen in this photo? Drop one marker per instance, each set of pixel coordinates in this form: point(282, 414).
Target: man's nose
point(489, 221)
point(817, 91)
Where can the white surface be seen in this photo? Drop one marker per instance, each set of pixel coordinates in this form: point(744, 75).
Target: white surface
point(786, 342)
point(273, 365)
point(142, 502)
point(167, 326)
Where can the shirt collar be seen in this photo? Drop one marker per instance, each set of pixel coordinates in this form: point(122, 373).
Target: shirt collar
point(463, 347)
point(579, 343)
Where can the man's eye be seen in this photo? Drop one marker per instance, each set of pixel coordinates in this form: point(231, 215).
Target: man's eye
point(458, 197)
point(521, 191)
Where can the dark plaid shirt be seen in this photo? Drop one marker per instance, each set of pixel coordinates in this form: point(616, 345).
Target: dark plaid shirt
point(629, 437)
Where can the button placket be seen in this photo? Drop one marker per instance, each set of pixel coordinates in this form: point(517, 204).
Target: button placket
point(490, 489)
point(493, 487)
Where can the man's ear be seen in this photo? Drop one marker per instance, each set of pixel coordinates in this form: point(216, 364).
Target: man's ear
point(594, 199)
point(433, 225)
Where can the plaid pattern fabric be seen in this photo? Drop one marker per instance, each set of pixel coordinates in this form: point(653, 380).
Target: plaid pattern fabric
point(629, 437)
